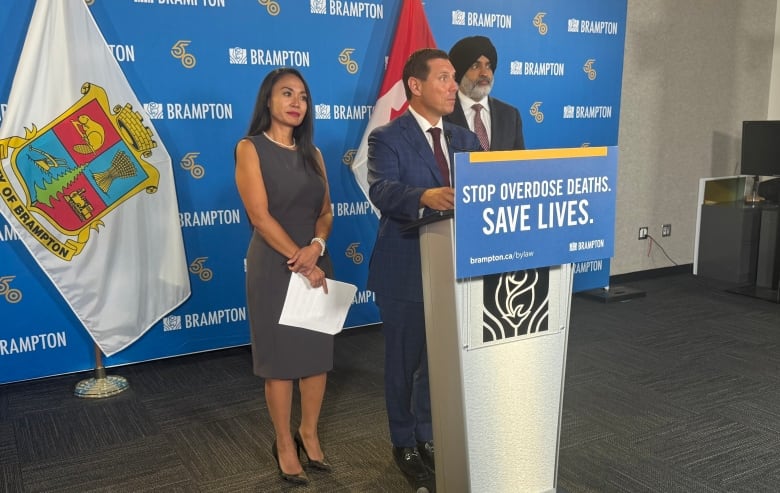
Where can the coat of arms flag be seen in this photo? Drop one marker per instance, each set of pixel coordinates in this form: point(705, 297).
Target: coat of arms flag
point(86, 181)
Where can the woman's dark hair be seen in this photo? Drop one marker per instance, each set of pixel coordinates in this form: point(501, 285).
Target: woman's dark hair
point(303, 133)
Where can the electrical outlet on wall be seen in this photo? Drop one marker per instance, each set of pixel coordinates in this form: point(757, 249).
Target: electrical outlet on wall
point(666, 230)
point(643, 233)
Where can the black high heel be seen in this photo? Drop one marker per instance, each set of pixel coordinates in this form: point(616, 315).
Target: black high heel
point(300, 478)
point(320, 465)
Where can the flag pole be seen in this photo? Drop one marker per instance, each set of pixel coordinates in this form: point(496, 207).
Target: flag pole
point(100, 385)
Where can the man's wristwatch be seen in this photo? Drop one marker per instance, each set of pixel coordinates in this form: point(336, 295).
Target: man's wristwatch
point(321, 242)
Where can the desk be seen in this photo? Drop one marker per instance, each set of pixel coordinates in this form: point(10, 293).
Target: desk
point(728, 242)
point(738, 243)
point(768, 261)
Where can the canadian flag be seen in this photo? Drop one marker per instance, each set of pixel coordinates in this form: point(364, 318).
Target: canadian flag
point(411, 34)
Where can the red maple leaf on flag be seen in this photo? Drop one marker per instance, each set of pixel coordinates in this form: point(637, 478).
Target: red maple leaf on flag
point(411, 34)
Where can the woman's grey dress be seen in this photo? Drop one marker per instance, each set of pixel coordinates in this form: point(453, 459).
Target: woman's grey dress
point(295, 194)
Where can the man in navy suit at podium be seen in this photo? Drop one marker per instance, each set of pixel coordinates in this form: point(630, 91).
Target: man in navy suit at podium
point(409, 162)
point(497, 124)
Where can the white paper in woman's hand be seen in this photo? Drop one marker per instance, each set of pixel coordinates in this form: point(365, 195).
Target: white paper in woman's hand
point(310, 308)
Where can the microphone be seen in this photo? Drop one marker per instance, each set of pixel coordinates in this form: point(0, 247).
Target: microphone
point(448, 138)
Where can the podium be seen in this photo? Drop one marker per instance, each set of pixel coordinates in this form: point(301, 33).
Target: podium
point(496, 394)
point(497, 281)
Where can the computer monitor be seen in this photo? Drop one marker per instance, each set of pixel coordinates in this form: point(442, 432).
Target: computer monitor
point(761, 148)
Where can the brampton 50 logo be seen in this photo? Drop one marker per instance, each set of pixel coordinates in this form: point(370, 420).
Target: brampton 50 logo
point(352, 253)
point(539, 23)
point(188, 163)
point(271, 6)
point(198, 268)
point(179, 51)
point(588, 69)
point(344, 59)
point(536, 112)
point(349, 157)
point(12, 295)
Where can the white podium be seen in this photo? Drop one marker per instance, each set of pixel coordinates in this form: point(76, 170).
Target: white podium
point(496, 356)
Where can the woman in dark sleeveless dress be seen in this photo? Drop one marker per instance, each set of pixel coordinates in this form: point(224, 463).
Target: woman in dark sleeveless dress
point(281, 178)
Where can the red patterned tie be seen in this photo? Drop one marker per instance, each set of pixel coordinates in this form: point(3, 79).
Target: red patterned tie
point(479, 128)
point(438, 153)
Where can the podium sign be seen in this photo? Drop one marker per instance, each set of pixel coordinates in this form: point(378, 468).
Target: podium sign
point(501, 274)
point(517, 210)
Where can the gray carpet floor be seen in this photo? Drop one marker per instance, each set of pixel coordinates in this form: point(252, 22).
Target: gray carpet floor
point(678, 391)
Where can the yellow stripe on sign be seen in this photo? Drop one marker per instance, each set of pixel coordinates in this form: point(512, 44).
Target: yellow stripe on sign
point(533, 154)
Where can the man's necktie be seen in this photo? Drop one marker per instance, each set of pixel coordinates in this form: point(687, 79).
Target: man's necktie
point(438, 153)
point(479, 128)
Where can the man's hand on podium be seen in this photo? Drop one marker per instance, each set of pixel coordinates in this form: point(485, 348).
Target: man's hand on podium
point(440, 199)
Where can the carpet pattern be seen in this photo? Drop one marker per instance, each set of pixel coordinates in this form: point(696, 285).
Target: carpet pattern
point(678, 391)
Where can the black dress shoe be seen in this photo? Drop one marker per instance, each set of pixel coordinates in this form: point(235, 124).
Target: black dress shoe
point(320, 465)
point(410, 463)
point(297, 479)
point(426, 453)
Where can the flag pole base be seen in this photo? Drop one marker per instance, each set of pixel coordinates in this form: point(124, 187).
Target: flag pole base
point(101, 385)
point(99, 388)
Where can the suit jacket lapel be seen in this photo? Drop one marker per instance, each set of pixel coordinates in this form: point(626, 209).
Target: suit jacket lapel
point(494, 138)
point(454, 144)
point(413, 134)
point(458, 117)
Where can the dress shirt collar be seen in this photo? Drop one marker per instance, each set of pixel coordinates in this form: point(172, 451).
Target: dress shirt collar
point(423, 123)
point(466, 103)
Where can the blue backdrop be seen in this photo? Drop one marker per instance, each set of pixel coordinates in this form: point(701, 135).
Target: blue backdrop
point(196, 66)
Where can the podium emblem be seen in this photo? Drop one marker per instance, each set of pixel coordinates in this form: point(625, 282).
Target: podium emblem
point(515, 304)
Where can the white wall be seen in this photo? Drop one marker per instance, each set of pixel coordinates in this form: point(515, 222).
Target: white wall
point(774, 83)
point(692, 72)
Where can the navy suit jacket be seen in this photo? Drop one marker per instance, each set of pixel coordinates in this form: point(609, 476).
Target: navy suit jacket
point(506, 126)
point(401, 167)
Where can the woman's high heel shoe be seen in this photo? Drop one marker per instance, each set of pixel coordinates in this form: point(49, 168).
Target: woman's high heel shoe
point(300, 478)
point(320, 465)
